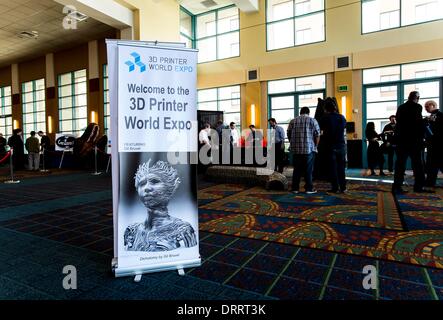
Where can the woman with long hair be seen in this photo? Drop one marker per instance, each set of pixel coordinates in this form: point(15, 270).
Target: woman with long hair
point(375, 154)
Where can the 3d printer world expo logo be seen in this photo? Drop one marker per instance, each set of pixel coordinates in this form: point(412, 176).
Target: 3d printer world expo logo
point(137, 62)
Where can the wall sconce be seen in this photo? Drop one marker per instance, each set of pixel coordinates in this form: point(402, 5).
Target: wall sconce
point(49, 124)
point(15, 124)
point(343, 106)
point(93, 117)
point(252, 114)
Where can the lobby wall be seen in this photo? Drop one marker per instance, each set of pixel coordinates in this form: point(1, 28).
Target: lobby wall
point(343, 37)
point(57, 63)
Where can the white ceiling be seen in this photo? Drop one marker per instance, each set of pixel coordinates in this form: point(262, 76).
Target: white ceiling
point(46, 17)
point(195, 6)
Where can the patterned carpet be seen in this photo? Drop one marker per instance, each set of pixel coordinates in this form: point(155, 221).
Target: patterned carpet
point(365, 221)
point(52, 221)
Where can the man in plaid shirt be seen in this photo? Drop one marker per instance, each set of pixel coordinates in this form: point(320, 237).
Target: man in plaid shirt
point(304, 136)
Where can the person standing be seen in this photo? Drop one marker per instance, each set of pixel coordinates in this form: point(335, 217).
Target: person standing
point(45, 144)
point(205, 156)
point(234, 135)
point(434, 157)
point(388, 142)
point(409, 136)
point(304, 137)
point(375, 154)
point(333, 127)
point(253, 141)
point(233, 143)
point(16, 143)
point(3, 144)
point(279, 144)
point(251, 137)
point(33, 147)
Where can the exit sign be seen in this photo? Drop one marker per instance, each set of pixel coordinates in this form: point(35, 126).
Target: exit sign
point(343, 88)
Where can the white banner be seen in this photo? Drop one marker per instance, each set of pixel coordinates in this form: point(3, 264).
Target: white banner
point(153, 111)
point(157, 97)
point(64, 142)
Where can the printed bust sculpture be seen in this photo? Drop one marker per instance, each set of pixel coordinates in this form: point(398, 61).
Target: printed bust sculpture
point(160, 232)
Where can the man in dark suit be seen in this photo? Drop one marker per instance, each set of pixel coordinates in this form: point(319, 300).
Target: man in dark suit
point(409, 137)
point(16, 143)
point(45, 144)
point(3, 144)
point(333, 126)
point(434, 159)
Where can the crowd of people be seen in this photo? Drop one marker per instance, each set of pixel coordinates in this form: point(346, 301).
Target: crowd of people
point(33, 145)
point(319, 144)
point(407, 135)
point(304, 134)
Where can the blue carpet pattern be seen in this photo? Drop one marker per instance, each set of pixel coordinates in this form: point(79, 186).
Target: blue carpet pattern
point(47, 223)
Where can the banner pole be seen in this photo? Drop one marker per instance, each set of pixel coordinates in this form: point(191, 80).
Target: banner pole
point(109, 162)
point(43, 159)
point(12, 181)
point(61, 160)
point(96, 173)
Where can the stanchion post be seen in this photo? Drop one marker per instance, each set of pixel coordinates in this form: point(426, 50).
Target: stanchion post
point(43, 159)
point(12, 181)
point(96, 173)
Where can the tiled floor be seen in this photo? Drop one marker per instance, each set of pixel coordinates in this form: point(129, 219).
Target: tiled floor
point(49, 222)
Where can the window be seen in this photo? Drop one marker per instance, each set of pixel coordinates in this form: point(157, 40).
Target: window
point(388, 78)
point(381, 14)
point(34, 106)
point(389, 19)
point(5, 111)
point(226, 99)
point(293, 23)
point(287, 97)
point(418, 11)
point(217, 34)
point(387, 87)
point(72, 102)
point(106, 106)
point(187, 28)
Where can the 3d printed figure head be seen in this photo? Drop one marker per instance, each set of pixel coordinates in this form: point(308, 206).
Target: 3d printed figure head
point(156, 186)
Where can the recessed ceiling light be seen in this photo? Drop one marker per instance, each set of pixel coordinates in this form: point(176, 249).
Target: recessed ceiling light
point(28, 34)
point(209, 3)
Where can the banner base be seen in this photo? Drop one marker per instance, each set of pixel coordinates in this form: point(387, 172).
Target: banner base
point(137, 271)
point(12, 181)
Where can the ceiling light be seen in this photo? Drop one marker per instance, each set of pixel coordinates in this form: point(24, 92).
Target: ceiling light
point(209, 3)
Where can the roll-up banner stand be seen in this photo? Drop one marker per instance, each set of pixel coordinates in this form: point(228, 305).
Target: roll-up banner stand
point(152, 88)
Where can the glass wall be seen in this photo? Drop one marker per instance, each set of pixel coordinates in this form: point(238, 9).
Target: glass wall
point(187, 28)
point(288, 96)
point(73, 100)
point(294, 22)
point(381, 14)
point(386, 88)
point(218, 35)
point(6, 112)
point(226, 99)
point(34, 106)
